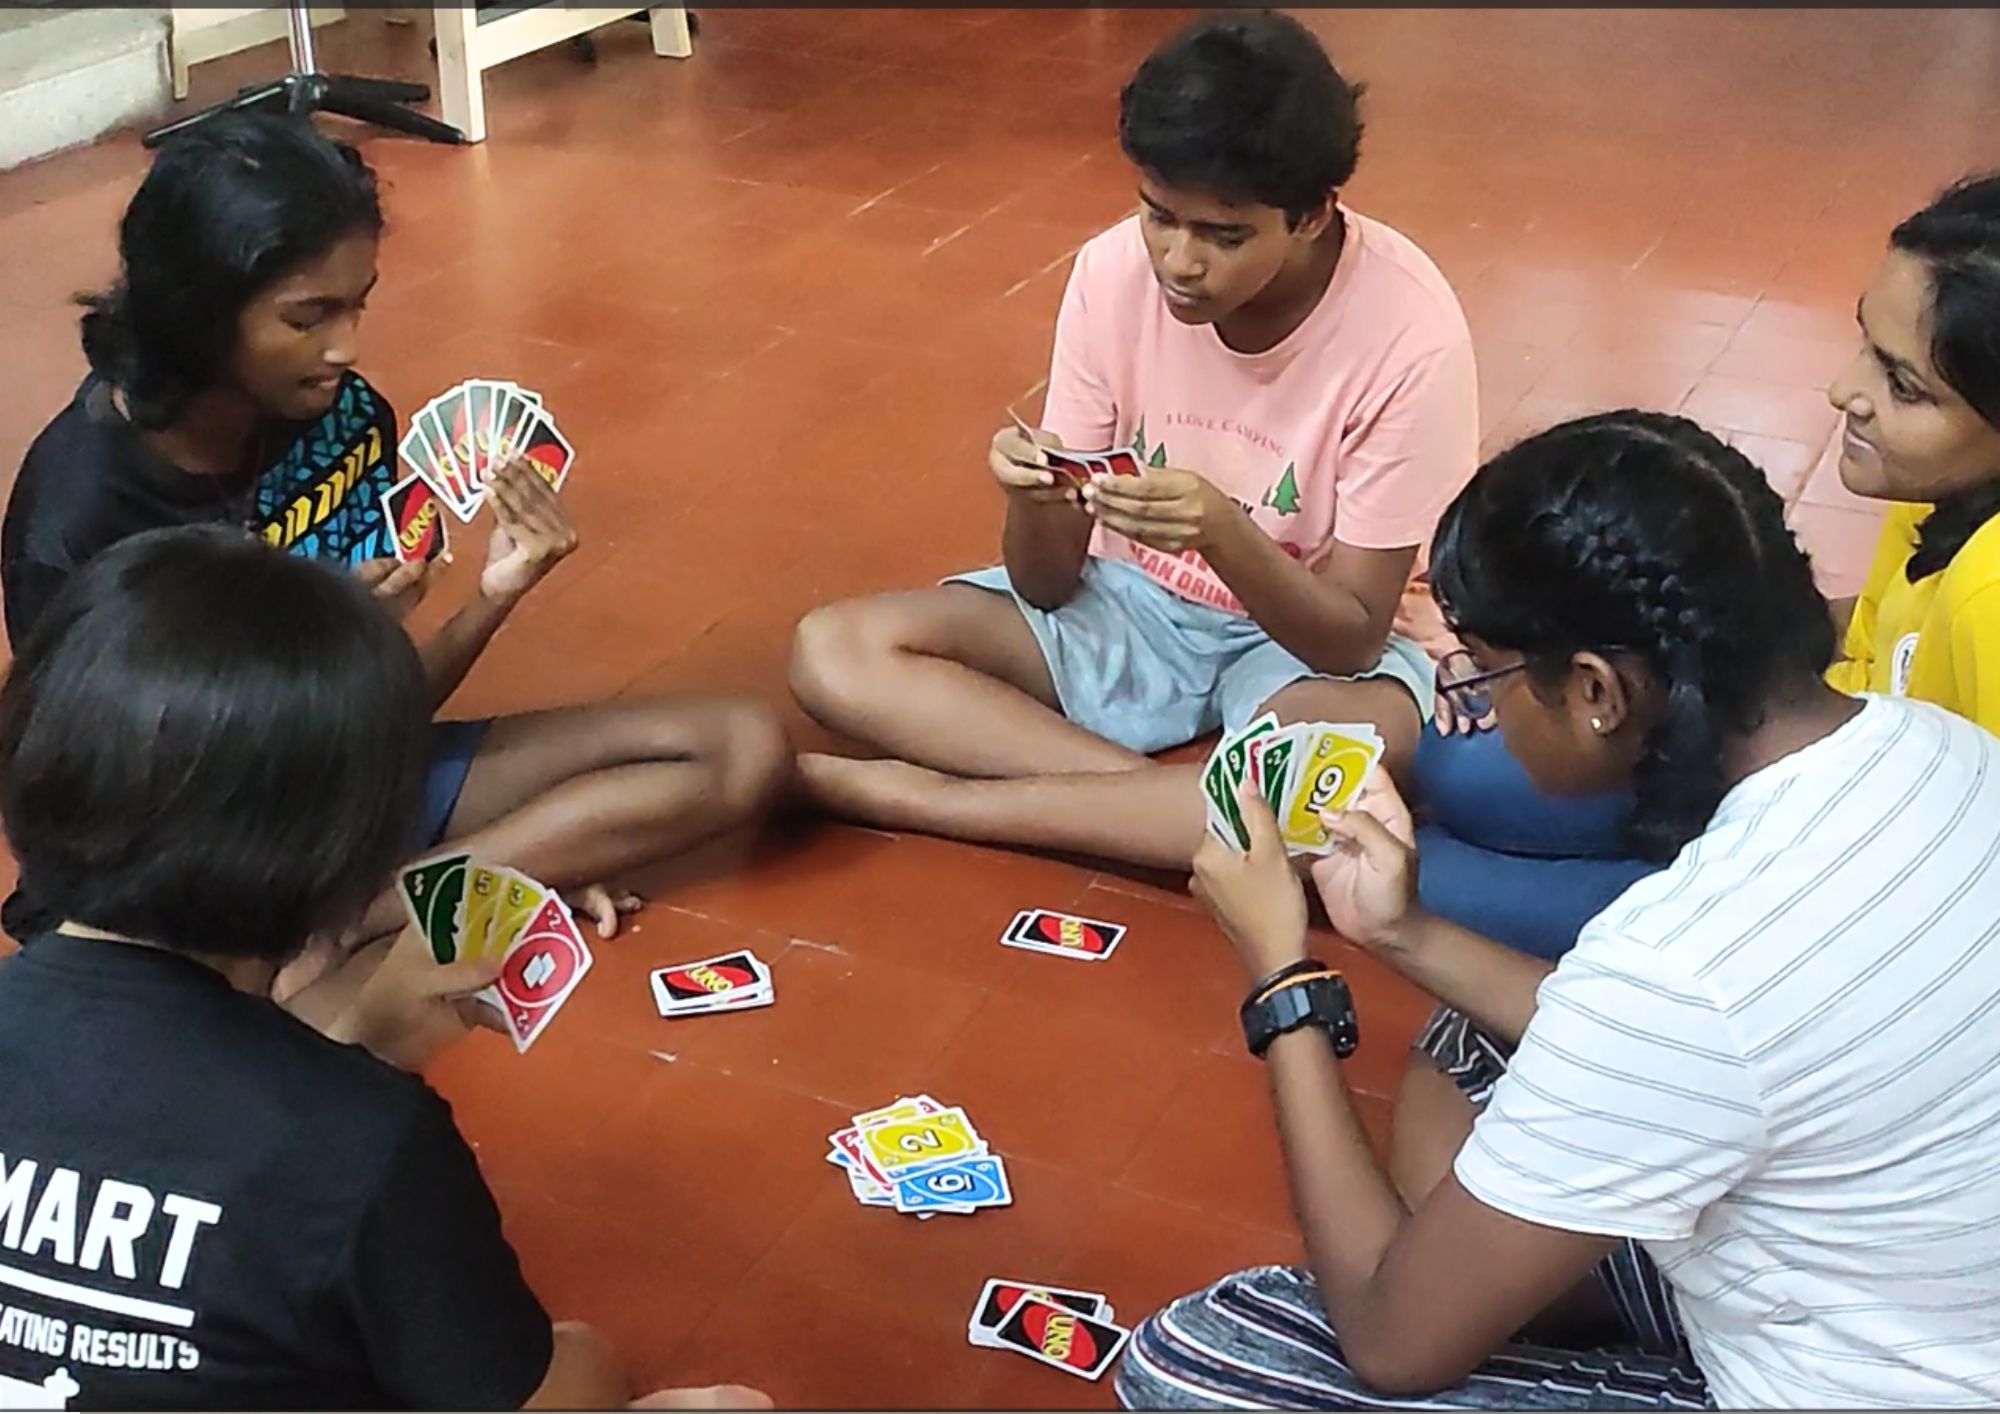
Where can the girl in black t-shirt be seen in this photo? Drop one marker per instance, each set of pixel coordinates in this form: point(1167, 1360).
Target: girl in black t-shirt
point(223, 389)
point(231, 1210)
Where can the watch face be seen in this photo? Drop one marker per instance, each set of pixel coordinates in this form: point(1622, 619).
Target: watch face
point(1323, 1002)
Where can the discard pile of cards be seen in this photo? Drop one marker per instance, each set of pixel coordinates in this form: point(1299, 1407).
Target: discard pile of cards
point(1063, 934)
point(468, 910)
point(735, 981)
point(1304, 770)
point(918, 1156)
point(1071, 1330)
point(454, 443)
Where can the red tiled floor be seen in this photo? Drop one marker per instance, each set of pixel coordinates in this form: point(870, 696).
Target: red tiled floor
point(780, 293)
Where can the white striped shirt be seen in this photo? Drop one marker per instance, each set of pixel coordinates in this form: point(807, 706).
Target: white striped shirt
point(1777, 1064)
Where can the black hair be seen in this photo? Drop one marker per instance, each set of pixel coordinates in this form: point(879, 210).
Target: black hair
point(212, 746)
point(1245, 106)
point(1640, 532)
point(226, 209)
point(1958, 239)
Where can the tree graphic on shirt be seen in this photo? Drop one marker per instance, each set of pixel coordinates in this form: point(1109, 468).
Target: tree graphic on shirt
point(1284, 497)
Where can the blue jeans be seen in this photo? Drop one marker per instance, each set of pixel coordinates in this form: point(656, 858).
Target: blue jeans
point(1497, 856)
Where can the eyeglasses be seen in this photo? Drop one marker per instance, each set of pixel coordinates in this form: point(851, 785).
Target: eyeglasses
point(1460, 679)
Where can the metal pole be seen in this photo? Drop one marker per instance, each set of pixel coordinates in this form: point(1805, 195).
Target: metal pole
point(304, 61)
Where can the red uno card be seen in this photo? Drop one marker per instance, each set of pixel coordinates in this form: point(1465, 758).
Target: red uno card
point(542, 444)
point(1077, 468)
point(1123, 463)
point(999, 1297)
point(415, 518)
point(1064, 934)
point(1055, 1335)
point(539, 972)
point(710, 984)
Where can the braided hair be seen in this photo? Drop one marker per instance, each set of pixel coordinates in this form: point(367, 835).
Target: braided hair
point(1958, 239)
point(225, 211)
point(1639, 532)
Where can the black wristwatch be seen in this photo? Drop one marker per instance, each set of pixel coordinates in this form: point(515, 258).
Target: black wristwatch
point(1315, 996)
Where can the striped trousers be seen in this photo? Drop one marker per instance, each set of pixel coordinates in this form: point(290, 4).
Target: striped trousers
point(1260, 1340)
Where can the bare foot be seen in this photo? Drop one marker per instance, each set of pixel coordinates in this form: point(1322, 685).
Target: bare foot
point(891, 794)
point(705, 1397)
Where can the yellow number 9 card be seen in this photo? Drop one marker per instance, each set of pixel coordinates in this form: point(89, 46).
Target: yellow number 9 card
point(1328, 773)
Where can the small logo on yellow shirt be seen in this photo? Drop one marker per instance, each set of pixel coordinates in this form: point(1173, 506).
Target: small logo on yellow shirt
point(1899, 665)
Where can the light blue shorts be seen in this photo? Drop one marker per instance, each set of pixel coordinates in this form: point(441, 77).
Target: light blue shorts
point(1139, 665)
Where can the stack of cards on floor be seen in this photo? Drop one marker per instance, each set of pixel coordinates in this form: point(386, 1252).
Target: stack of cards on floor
point(454, 443)
point(735, 981)
point(1063, 934)
point(468, 910)
point(1303, 770)
point(1071, 1330)
point(919, 1156)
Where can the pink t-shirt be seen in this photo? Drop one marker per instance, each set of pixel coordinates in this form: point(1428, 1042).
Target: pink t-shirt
point(1360, 426)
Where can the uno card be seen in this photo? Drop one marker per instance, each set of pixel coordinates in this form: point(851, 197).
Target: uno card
point(1234, 755)
point(1215, 790)
point(415, 451)
point(480, 396)
point(1122, 463)
point(520, 900)
point(542, 444)
point(908, 1107)
point(434, 894)
point(1332, 765)
point(709, 983)
point(415, 519)
point(448, 481)
point(485, 891)
point(1063, 934)
point(854, 1154)
point(902, 1144)
point(1001, 1295)
point(1055, 1335)
point(1070, 464)
point(1271, 765)
point(964, 1186)
point(540, 971)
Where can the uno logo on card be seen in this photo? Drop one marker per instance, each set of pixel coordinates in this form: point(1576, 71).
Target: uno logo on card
point(1071, 933)
point(415, 532)
point(1057, 1335)
point(712, 979)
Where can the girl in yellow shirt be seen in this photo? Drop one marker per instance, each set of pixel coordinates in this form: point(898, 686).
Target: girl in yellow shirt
point(1922, 427)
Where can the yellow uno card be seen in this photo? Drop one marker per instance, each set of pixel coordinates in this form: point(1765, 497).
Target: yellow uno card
point(901, 1143)
point(1332, 765)
point(483, 888)
point(520, 898)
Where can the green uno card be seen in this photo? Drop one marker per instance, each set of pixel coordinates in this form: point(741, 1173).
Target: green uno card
point(434, 893)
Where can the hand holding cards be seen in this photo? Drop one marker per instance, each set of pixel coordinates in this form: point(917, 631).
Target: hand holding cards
point(469, 910)
point(1304, 770)
point(454, 443)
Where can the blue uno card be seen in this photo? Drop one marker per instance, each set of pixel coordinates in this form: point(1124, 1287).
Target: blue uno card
point(962, 1185)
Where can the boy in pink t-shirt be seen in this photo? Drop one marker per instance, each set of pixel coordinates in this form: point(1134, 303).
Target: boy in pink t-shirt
point(1297, 381)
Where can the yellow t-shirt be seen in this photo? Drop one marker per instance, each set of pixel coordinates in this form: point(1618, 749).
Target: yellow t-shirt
point(1937, 640)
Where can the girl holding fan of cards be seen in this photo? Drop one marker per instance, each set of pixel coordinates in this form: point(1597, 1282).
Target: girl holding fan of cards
point(1921, 405)
point(1737, 1147)
point(223, 389)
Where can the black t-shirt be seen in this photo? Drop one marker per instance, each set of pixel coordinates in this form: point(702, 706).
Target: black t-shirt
point(89, 481)
point(205, 1204)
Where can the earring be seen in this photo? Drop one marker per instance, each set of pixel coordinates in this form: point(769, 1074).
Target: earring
point(1597, 725)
